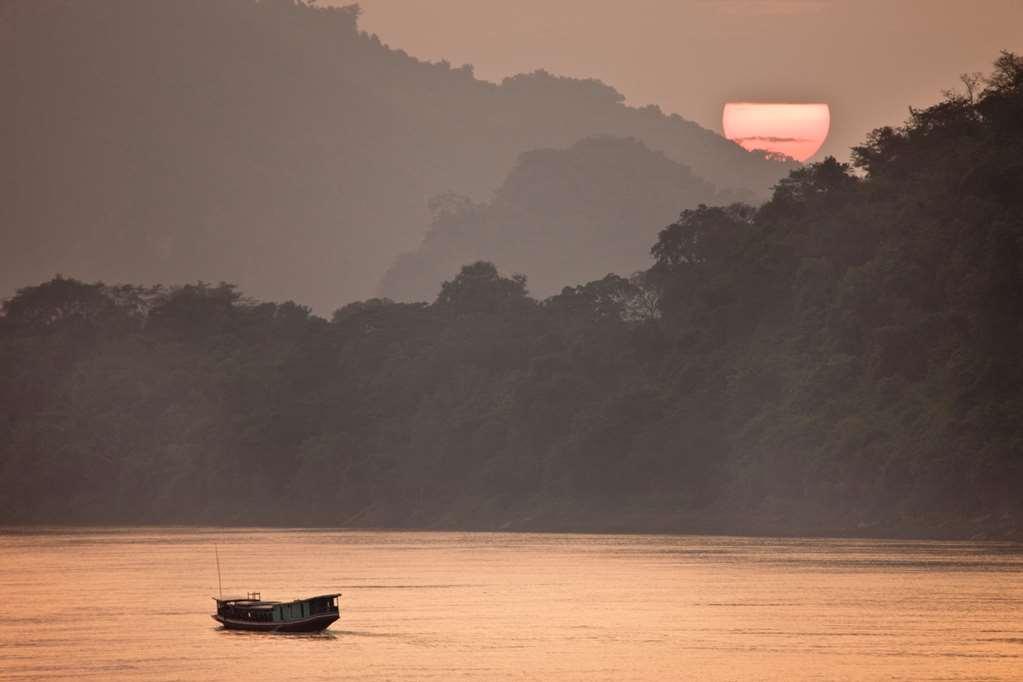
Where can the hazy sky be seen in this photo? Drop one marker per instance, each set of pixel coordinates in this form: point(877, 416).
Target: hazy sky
point(868, 60)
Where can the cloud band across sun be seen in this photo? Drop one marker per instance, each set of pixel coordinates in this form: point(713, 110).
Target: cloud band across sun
point(796, 130)
point(762, 138)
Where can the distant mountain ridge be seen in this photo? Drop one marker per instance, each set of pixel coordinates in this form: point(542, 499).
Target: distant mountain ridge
point(271, 143)
point(561, 215)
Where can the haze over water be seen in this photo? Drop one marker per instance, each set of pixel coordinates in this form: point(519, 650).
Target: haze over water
point(132, 603)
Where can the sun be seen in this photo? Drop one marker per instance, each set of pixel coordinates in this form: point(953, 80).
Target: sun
point(795, 130)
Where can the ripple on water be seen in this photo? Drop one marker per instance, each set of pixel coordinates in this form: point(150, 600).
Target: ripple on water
point(115, 603)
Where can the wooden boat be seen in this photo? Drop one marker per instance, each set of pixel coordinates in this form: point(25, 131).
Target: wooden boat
point(301, 615)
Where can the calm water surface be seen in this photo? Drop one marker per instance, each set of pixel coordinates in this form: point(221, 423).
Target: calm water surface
point(135, 603)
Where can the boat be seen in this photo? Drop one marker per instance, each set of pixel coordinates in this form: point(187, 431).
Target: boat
point(251, 612)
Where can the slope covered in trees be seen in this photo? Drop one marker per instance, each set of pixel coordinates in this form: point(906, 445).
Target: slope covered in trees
point(561, 216)
point(843, 359)
point(269, 143)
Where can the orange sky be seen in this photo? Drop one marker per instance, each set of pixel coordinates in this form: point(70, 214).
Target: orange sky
point(868, 59)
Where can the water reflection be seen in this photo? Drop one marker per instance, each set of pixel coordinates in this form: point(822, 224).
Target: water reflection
point(134, 603)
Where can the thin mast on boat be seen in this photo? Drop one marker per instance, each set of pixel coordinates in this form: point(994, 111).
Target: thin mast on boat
point(220, 585)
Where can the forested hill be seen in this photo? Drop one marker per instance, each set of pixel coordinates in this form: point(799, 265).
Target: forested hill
point(269, 143)
point(562, 215)
point(843, 359)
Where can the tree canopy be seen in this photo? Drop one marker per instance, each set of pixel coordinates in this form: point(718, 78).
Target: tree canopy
point(842, 359)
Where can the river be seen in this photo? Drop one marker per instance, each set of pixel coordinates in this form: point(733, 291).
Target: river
point(134, 603)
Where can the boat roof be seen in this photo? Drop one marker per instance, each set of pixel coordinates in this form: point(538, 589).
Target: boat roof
point(262, 603)
point(254, 605)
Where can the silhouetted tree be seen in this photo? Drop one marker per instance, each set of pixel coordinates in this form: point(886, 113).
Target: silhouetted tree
point(479, 288)
point(701, 235)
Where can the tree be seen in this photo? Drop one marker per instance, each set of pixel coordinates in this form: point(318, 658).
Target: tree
point(703, 234)
point(196, 310)
point(632, 299)
point(479, 288)
point(69, 303)
point(826, 178)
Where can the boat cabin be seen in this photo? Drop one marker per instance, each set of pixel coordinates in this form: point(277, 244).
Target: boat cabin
point(251, 612)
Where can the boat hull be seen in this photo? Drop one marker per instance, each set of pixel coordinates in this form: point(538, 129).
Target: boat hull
point(315, 623)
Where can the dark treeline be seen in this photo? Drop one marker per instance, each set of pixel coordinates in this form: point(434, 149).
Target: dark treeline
point(270, 143)
point(844, 358)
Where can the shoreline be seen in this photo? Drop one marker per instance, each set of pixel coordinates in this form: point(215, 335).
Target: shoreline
point(957, 533)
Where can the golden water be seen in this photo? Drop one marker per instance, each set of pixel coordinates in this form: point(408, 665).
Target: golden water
point(135, 603)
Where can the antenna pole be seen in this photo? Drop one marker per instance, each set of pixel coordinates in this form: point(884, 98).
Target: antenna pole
point(220, 585)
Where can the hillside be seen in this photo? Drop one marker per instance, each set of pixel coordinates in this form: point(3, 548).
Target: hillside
point(269, 143)
point(843, 359)
point(569, 215)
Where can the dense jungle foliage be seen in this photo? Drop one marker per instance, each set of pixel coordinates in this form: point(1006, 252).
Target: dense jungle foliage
point(845, 358)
